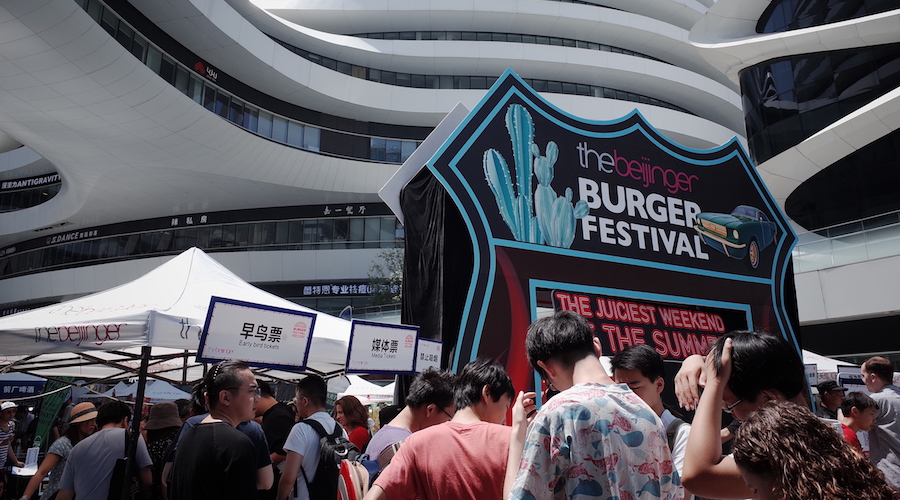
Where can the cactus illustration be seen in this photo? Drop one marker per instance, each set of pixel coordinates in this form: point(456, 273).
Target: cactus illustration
point(554, 222)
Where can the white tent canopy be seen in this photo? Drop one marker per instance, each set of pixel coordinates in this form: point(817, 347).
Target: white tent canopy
point(823, 364)
point(99, 336)
point(367, 392)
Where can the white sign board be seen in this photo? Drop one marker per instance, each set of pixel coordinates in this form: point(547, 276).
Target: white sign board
point(429, 354)
point(851, 378)
point(381, 348)
point(261, 335)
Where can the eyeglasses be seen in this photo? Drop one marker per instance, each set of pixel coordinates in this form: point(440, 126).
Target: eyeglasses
point(445, 412)
point(255, 391)
point(728, 409)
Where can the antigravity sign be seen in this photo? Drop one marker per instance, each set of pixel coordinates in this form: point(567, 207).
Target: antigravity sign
point(608, 210)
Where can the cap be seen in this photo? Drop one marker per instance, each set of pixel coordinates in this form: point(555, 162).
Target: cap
point(163, 415)
point(82, 412)
point(7, 405)
point(829, 385)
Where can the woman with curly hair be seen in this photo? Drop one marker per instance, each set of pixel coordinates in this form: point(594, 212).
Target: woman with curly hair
point(785, 452)
point(352, 415)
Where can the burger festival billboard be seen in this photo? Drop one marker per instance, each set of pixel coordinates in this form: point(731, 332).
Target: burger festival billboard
point(526, 207)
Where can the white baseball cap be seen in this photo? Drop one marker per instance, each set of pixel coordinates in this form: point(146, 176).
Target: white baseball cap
point(7, 405)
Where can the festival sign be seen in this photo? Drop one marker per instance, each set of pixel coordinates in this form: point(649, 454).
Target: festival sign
point(382, 348)
point(674, 330)
point(261, 335)
point(523, 199)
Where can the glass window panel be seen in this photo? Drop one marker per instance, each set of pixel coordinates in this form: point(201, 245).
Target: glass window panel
point(311, 138)
point(95, 10)
point(241, 235)
point(265, 124)
point(154, 59)
point(139, 47)
point(296, 231)
point(377, 150)
point(109, 22)
point(167, 69)
point(295, 134)
point(196, 90)
point(251, 118)
point(392, 151)
point(372, 232)
point(407, 148)
point(282, 231)
point(182, 80)
point(344, 68)
point(554, 87)
point(388, 228)
point(279, 129)
point(124, 35)
point(404, 79)
point(209, 98)
point(222, 104)
point(236, 112)
point(478, 82)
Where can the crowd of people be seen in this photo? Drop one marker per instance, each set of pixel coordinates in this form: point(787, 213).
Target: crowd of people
point(602, 435)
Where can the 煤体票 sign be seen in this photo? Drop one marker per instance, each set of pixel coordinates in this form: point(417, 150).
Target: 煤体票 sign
point(382, 348)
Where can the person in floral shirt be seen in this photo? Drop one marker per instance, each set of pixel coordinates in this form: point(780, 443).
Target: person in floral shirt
point(595, 439)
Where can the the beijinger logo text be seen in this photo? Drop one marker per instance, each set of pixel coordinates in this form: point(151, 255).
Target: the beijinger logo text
point(616, 200)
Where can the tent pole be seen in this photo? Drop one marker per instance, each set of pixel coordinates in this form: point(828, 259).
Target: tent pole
point(135, 425)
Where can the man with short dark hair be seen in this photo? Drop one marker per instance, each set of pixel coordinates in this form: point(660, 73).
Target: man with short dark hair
point(884, 439)
point(595, 439)
point(430, 398)
point(857, 414)
point(831, 395)
point(89, 467)
point(641, 368)
point(302, 444)
point(463, 457)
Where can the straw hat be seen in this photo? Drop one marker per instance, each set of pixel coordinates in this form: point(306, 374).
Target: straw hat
point(163, 415)
point(82, 412)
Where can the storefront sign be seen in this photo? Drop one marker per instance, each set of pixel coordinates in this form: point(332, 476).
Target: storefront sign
point(381, 348)
point(259, 334)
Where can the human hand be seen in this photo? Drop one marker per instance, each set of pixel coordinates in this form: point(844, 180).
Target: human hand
point(523, 410)
point(688, 380)
point(724, 373)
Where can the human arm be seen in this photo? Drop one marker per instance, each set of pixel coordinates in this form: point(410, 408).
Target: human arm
point(65, 495)
point(47, 465)
point(277, 458)
point(688, 380)
point(292, 463)
point(376, 493)
point(145, 477)
point(706, 472)
point(265, 476)
point(523, 411)
point(164, 480)
point(12, 454)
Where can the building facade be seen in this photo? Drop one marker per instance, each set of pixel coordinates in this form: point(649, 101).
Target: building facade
point(262, 131)
point(819, 83)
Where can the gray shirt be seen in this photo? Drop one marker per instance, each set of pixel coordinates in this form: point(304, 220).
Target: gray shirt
point(60, 447)
point(90, 464)
point(884, 439)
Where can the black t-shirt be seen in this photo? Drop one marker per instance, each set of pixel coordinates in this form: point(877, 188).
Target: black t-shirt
point(277, 423)
point(214, 461)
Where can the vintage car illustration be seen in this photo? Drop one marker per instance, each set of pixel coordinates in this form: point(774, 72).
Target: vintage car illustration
point(745, 232)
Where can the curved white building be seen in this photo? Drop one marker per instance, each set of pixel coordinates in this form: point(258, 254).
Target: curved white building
point(262, 131)
point(819, 81)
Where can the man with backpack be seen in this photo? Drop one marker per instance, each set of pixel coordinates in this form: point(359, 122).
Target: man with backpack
point(641, 368)
point(299, 479)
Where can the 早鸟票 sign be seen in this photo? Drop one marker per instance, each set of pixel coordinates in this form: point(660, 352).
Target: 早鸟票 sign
point(259, 334)
point(428, 354)
point(382, 348)
point(523, 198)
point(674, 330)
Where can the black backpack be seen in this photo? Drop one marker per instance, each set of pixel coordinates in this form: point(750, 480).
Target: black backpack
point(334, 448)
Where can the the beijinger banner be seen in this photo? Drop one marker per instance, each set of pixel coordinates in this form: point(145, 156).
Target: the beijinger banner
point(259, 334)
point(382, 348)
point(653, 242)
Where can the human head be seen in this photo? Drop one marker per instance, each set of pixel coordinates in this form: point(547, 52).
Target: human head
point(877, 372)
point(163, 415)
point(7, 410)
point(861, 409)
point(642, 369)
point(831, 394)
point(113, 412)
point(483, 382)
point(312, 392)
point(198, 398)
point(430, 400)
point(352, 412)
point(82, 422)
point(564, 338)
point(231, 390)
point(265, 390)
point(763, 367)
point(184, 408)
point(785, 452)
